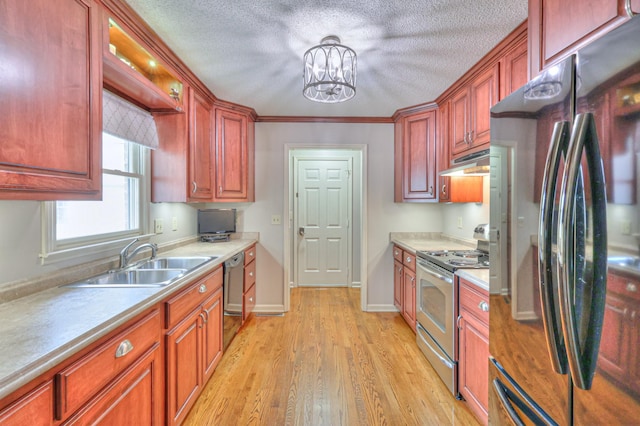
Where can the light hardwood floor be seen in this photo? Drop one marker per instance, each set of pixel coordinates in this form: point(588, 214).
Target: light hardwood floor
point(326, 363)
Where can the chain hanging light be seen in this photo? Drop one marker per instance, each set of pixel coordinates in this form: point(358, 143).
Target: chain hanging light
point(329, 72)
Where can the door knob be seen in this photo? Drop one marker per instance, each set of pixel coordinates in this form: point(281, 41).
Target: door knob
point(301, 231)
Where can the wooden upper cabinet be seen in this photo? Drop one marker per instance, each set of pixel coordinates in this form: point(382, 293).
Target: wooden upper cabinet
point(418, 158)
point(51, 109)
point(200, 148)
point(558, 28)
point(514, 69)
point(234, 176)
point(470, 112)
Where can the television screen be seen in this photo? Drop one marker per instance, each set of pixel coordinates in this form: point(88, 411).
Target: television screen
point(216, 221)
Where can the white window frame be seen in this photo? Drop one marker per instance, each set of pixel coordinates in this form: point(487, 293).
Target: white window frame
point(97, 246)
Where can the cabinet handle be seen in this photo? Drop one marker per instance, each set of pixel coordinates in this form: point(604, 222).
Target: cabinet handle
point(204, 320)
point(251, 274)
point(444, 189)
point(251, 253)
point(408, 259)
point(483, 306)
point(458, 322)
point(632, 287)
point(471, 137)
point(251, 299)
point(220, 189)
point(195, 186)
point(203, 288)
point(627, 9)
point(124, 348)
point(431, 189)
point(633, 315)
point(619, 311)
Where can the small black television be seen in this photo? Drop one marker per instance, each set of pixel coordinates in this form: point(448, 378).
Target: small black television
point(216, 222)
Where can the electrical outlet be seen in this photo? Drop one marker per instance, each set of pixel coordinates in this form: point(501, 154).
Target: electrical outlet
point(276, 219)
point(158, 226)
point(174, 223)
point(625, 227)
point(460, 222)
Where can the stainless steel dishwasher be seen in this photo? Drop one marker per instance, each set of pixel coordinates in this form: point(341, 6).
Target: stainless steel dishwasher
point(232, 293)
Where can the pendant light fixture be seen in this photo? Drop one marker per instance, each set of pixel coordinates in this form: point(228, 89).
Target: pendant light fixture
point(329, 72)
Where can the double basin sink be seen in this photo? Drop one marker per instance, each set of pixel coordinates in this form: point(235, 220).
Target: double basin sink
point(156, 272)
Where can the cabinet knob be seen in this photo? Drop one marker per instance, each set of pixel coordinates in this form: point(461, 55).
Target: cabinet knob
point(408, 259)
point(251, 274)
point(483, 306)
point(251, 253)
point(203, 288)
point(124, 348)
point(251, 299)
point(632, 287)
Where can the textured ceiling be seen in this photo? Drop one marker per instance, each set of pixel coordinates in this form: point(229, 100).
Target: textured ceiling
point(409, 51)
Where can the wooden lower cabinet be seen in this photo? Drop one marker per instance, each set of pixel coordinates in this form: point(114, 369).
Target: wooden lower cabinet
point(473, 348)
point(193, 343)
point(249, 284)
point(409, 296)
point(134, 398)
point(398, 276)
point(34, 409)
point(620, 344)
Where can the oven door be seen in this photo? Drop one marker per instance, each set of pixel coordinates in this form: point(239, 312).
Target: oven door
point(435, 304)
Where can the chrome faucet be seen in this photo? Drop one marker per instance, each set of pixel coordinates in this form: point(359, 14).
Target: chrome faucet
point(125, 256)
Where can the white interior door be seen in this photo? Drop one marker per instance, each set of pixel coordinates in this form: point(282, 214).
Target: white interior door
point(323, 212)
point(499, 218)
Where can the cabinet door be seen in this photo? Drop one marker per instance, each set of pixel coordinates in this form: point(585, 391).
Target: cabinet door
point(34, 409)
point(473, 373)
point(442, 147)
point(484, 95)
point(419, 157)
point(559, 27)
point(459, 122)
point(51, 109)
point(397, 285)
point(232, 158)
point(514, 69)
point(184, 364)
point(409, 296)
point(134, 398)
point(212, 334)
point(200, 144)
point(612, 357)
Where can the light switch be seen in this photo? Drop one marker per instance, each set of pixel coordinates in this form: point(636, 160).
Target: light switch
point(158, 226)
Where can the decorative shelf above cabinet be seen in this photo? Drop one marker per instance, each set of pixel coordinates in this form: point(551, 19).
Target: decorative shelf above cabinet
point(132, 71)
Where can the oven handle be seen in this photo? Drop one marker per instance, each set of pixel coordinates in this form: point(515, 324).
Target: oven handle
point(445, 361)
point(435, 274)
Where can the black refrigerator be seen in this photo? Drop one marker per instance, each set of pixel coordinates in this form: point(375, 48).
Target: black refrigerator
point(565, 224)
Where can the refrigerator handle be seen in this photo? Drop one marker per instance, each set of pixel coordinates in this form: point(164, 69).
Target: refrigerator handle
point(550, 318)
point(582, 360)
point(520, 398)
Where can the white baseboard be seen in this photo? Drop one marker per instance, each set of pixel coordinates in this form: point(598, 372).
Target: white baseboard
point(268, 309)
point(381, 308)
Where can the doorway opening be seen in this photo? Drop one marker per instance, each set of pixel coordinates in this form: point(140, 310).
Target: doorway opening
point(325, 242)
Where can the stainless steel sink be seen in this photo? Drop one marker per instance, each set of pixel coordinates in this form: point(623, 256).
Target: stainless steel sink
point(132, 278)
point(174, 262)
point(630, 262)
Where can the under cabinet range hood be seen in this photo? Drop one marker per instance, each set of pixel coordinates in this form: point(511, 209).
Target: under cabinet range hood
point(474, 164)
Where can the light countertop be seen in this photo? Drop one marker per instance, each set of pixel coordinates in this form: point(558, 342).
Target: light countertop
point(435, 241)
point(41, 330)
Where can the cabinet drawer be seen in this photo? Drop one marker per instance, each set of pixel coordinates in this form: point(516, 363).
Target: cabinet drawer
point(397, 253)
point(249, 275)
point(179, 306)
point(249, 255)
point(627, 287)
point(474, 302)
point(409, 260)
point(249, 302)
point(85, 377)
point(34, 408)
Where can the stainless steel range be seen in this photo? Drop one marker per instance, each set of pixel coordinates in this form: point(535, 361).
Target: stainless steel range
point(436, 304)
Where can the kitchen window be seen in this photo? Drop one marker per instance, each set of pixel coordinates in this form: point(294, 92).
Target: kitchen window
point(83, 228)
